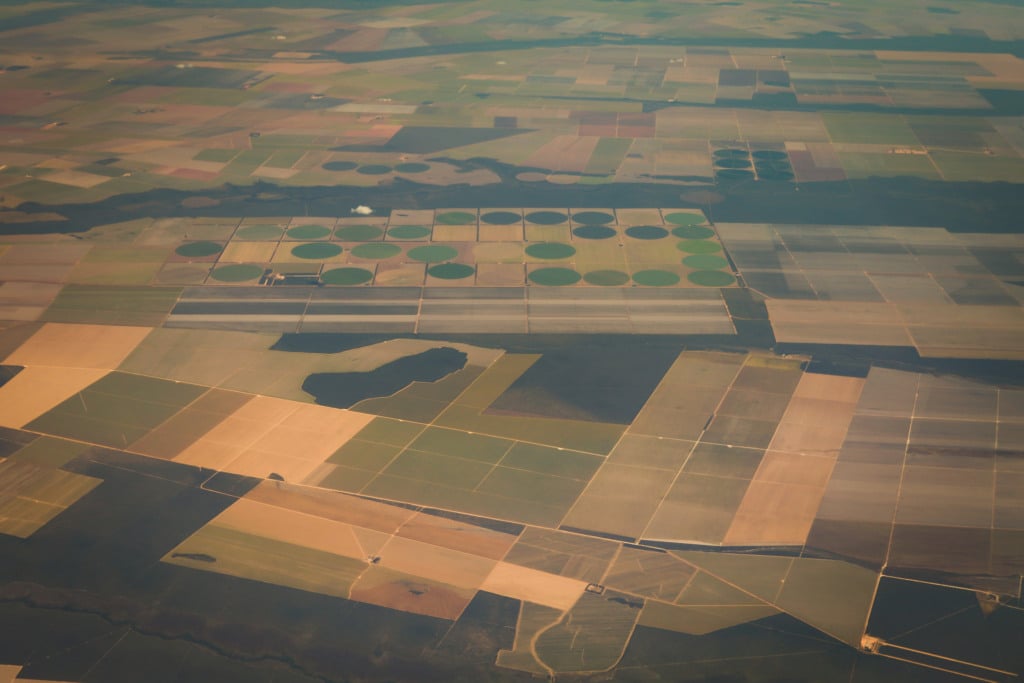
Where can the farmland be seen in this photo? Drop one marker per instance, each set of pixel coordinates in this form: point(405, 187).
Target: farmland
point(490, 341)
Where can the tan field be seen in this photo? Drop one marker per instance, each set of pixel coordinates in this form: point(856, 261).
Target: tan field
point(79, 346)
point(35, 390)
point(531, 585)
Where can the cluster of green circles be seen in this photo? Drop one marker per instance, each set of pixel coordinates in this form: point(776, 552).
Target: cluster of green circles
point(550, 250)
point(199, 249)
point(376, 251)
point(408, 232)
point(433, 253)
point(451, 271)
point(346, 276)
point(455, 218)
point(501, 218)
point(358, 233)
point(316, 250)
point(260, 232)
point(237, 272)
point(308, 232)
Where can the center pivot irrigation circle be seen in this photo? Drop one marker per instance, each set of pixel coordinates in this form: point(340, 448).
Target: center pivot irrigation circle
point(501, 218)
point(550, 250)
point(198, 249)
point(433, 253)
point(455, 218)
point(346, 276)
point(408, 232)
point(592, 217)
point(451, 271)
point(358, 233)
point(376, 251)
point(554, 277)
point(646, 232)
point(547, 217)
point(594, 232)
point(316, 250)
point(308, 232)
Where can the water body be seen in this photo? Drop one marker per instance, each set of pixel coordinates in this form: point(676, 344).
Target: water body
point(345, 389)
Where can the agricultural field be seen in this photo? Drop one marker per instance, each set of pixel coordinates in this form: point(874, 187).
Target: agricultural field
point(492, 341)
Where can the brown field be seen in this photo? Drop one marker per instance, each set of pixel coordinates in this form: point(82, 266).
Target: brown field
point(534, 586)
point(387, 588)
point(340, 507)
point(455, 535)
point(291, 526)
point(271, 435)
point(79, 346)
point(35, 390)
point(435, 563)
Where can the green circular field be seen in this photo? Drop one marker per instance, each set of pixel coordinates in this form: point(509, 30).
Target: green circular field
point(260, 232)
point(592, 217)
point(433, 253)
point(358, 233)
point(451, 271)
point(408, 232)
point(374, 169)
point(550, 250)
point(693, 232)
point(774, 170)
point(731, 153)
point(606, 278)
point(732, 163)
point(769, 155)
point(646, 232)
point(682, 218)
point(705, 262)
point(699, 247)
point(710, 278)
point(376, 251)
point(594, 232)
point(547, 217)
point(316, 250)
point(501, 218)
point(734, 174)
point(237, 272)
point(655, 278)
point(308, 232)
point(412, 167)
point(346, 276)
point(340, 166)
point(455, 218)
point(554, 277)
point(198, 249)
